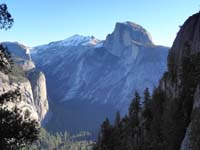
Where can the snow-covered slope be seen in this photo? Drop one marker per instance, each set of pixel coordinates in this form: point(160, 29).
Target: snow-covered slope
point(73, 41)
point(83, 70)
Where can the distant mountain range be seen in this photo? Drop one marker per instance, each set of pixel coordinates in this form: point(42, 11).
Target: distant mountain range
point(90, 79)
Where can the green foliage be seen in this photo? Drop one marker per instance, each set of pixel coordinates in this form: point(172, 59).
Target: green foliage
point(195, 130)
point(106, 130)
point(147, 109)
point(14, 71)
point(5, 60)
point(172, 67)
point(60, 141)
point(174, 124)
point(134, 110)
point(190, 79)
point(154, 135)
point(17, 74)
point(16, 130)
point(120, 136)
point(117, 118)
point(6, 20)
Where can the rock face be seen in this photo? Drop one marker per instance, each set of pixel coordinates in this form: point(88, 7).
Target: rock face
point(191, 39)
point(25, 76)
point(20, 55)
point(182, 78)
point(7, 84)
point(186, 42)
point(38, 84)
point(89, 78)
point(185, 45)
point(124, 41)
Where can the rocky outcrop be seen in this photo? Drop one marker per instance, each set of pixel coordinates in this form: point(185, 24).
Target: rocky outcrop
point(182, 79)
point(188, 36)
point(186, 43)
point(24, 76)
point(20, 54)
point(27, 103)
point(38, 84)
point(125, 40)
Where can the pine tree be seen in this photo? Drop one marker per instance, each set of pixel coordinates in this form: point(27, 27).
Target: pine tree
point(6, 20)
point(147, 98)
point(117, 133)
point(117, 119)
point(105, 141)
point(134, 122)
point(147, 109)
point(156, 138)
point(5, 60)
point(106, 130)
point(134, 110)
point(16, 130)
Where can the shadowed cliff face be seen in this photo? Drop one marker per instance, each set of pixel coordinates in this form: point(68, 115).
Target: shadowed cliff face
point(181, 82)
point(83, 71)
point(186, 43)
point(190, 44)
point(188, 36)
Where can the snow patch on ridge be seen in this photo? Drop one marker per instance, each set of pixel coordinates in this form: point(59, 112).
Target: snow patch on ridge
point(76, 40)
point(73, 41)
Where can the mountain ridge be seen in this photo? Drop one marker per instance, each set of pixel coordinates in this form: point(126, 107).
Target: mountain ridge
point(107, 74)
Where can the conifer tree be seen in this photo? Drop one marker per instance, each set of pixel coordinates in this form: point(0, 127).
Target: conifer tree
point(117, 119)
point(156, 140)
point(117, 133)
point(134, 110)
point(147, 109)
point(16, 130)
point(6, 20)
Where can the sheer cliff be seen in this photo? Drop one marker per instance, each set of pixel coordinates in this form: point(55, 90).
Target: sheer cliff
point(181, 82)
point(28, 79)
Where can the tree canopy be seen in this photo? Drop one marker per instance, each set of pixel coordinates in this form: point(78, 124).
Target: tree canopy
point(6, 20)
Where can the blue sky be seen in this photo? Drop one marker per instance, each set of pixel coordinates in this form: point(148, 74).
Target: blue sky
point(42, 21)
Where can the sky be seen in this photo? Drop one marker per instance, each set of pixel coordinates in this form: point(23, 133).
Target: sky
point(39, 22)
